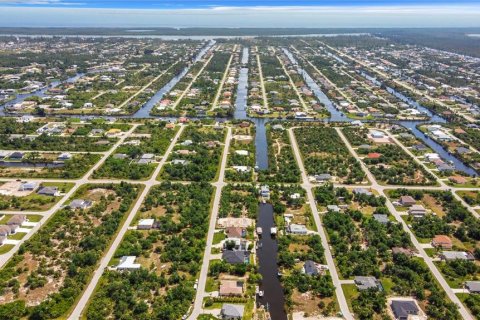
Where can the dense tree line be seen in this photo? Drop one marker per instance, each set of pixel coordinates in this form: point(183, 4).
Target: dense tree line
point(282, 166)
point(179, 243)
point(203, 163)
point(323, 151)
point(75, 240)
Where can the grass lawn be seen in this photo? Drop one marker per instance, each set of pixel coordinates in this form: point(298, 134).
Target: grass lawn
point(5, 248)
point(430, 251)
point(387, 284)
point(351, 292)
point(218, 237)
point(34, 217)
point(30, 217)
point(211, 285)
point(206, 317)
point(215, 305)
point(17, 236)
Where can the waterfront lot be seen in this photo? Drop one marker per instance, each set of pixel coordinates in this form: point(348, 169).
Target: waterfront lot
point(388, 162)
point(241, 156)
point(282, 166)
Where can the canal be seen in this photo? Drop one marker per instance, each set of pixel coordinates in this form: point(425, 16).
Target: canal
point(273, 298)
point(40, 93)
point(144, 112)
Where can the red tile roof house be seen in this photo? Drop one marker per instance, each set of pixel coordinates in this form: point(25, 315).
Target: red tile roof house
point(374, 155)
point(442, 241)
point(236, 232)
point(457, 179)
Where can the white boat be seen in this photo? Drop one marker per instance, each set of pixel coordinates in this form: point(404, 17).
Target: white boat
point(259, 231)
point(260, 294)
point(273, 231)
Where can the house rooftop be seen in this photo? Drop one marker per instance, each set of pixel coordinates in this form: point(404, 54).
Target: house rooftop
point(232, 311)
point(365, 283)
point(403, 308)
point(128, 262)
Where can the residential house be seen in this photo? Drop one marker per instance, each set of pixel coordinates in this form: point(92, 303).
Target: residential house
point(128, 263)
point(17, 155)
point(236, 232)
point(404, 309)
point(17, 219)
point(333, 208)
point(417, 211)
point(365, 283)
point(230, 288)
point(236, 257)
point(374, 155)
point(182, 162)
point(377, 134)
point(473, 286)
point(381, 218)
point(405, 251)
point(241, 169)
point(49, 191)
point(310, 268)
point(456, 255)
point(232, 311)
point(65, 156)
point(80, 204)
point(299, 229)
point(442, 241)
point(361, 191)
point(324, 177)
point(235, 244)
point(457, 179)
point(145, 224)
point(28, 186)
point(265, 191)
point(6, 231)
point(120, 156)
point(407, 201)
point(241, 152)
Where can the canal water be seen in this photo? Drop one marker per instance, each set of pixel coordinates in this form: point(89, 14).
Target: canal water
point(412, 126)
point(40, 93)
point(144, 112)
point(273, 299)
point(261, 139)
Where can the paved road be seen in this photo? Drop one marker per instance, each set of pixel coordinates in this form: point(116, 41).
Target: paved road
point(433, 268)
point(399, 82)
point(145, 86)
point(342, 302)
point(262, 82)
point(224, 78)
point(292, 84)
point(77, 312)
point(197, 306)
point(205, 64)
point(47, 214)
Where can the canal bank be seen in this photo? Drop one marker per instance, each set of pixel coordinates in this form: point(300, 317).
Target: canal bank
point(273, 298)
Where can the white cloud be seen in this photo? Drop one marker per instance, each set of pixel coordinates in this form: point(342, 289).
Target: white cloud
point(40, 2)
point(301, 17)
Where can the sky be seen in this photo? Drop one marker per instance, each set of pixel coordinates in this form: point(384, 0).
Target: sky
point(240, 13)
